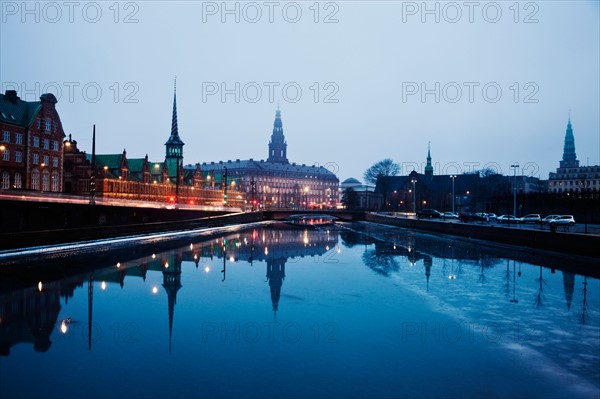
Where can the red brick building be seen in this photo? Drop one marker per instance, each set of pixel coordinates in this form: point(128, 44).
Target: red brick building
point(31, 143)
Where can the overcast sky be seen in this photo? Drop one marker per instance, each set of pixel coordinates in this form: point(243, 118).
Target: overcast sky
point(356, 81)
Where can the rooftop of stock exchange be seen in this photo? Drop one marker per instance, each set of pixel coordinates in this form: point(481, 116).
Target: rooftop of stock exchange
point(117, 176)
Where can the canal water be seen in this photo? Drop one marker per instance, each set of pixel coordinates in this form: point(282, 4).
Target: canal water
point(352, 311)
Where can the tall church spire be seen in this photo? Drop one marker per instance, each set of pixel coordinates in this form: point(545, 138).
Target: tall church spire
point(275, 277)
point(429, 167)
point(174, 146)
point(172, 283)
point(277, 145)
point(569, 157)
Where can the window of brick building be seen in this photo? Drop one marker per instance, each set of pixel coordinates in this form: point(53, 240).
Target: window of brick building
point(5, 180)
point(55, 181)
point(45, 181)
point(35, 180)
point(18, 180)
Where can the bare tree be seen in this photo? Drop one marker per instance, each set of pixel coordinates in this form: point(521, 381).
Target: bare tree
point(386, 167)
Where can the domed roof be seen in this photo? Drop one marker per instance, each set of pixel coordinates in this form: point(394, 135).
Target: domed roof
point(351, 180)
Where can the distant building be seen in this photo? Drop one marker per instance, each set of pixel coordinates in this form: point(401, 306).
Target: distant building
point(31, 153)
point(274, 182)
point(569, 176)
point(365, 196)
point(420, 191)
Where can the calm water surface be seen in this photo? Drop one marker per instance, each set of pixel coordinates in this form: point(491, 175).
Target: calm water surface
point(351, 311)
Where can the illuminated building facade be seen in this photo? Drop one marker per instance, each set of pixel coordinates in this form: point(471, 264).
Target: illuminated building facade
point(31, 141)
point(569, 176)
point(275, 182)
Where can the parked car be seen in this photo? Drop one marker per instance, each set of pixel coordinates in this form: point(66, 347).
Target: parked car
point(492, 217)
point(428, 213)
point(531, 218)
point(472, 217)
point(483, 216)
point(549, 218)
point(449, 215)
point(507, 219)
point(564, 220)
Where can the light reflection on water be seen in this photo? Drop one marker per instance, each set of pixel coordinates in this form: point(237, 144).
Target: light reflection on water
point(362, 311)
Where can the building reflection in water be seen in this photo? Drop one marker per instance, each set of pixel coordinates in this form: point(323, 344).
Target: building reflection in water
point(387, 251)
point(30, 315)
point(29, 312)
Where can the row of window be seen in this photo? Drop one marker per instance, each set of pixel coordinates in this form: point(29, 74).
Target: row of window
point(48, 125)
point(36, 141)
point(582, 170)
point(291, 183)
point(45, 143)
point(575, 183)
point(576, 190)
point(580, 175)
point(18, 156)
point(49, 182)
point(35, 158)
point(5, 181)
point(286, 178)
point(6, 137)
point(45, 160)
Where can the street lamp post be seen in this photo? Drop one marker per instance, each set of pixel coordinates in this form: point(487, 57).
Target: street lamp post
point(414, 193)
point(224, 185)
point(515, 166)
point(453, 177)
point(584, 197)
point(93, 176)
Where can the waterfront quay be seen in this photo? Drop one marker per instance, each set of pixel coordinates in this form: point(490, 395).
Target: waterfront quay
point(35, 223)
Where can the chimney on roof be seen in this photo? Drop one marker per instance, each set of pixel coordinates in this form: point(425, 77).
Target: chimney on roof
point(49, 98)
point(11, 95)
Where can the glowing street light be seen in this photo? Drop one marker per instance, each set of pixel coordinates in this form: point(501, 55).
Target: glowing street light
point(515, 166)
point(453, 177)
point(414, 194)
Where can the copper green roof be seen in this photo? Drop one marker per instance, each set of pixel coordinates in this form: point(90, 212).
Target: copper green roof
point(113, 161)
point(174, 138)
point(20, 113)
point(136, 165)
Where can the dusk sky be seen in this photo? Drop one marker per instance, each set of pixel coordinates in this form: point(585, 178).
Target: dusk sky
point(505, 75)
